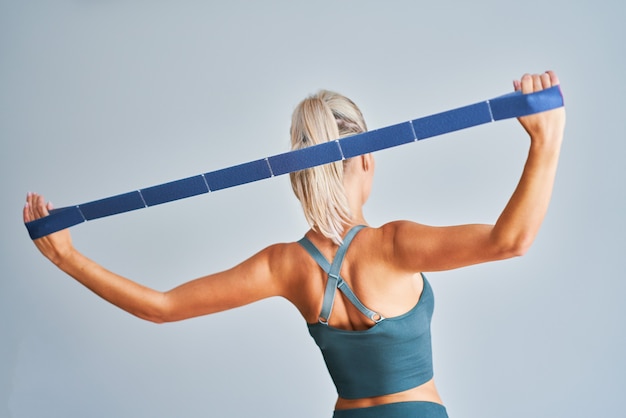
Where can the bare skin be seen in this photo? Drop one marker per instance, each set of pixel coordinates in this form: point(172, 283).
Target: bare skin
point(382, 265)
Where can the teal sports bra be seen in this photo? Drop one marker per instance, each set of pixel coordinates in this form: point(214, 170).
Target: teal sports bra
point(392, 356)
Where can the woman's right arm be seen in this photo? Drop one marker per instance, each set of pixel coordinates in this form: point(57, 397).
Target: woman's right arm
point(424, 248)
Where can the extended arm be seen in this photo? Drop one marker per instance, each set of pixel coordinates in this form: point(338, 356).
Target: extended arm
point(422, 248)
point(252, 280)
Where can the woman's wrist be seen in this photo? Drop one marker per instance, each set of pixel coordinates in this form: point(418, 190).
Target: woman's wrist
point(546, 142)
point(63, 259)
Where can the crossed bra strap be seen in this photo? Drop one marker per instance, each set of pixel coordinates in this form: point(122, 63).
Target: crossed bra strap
point(335, 281)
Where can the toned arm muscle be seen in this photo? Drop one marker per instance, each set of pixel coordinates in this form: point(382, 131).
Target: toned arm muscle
point(252, 280)
point(258, 277)
point(415, 247)
point(418, 247)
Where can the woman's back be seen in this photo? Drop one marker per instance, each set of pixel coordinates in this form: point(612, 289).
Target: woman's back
point(370, 318)
point(367, 270)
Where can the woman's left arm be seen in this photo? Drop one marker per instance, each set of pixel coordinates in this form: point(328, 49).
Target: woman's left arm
point(252, 280)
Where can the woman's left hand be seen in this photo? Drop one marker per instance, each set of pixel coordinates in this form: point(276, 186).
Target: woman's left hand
point(56, 247)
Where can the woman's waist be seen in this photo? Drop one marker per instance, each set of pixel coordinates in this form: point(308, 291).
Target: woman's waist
point(425, 392)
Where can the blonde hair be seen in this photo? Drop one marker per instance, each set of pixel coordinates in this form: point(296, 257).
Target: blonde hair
point(325, 116)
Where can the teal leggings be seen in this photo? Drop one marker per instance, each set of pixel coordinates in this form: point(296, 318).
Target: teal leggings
point(396, 410)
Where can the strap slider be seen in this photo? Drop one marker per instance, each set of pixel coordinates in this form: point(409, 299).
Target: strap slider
point(376, 317)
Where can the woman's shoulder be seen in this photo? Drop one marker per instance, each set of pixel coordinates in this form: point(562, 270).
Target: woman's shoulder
point(403, 243)
point(396, 232)
point(295, 270)
point(286, 259)
point(391, 232)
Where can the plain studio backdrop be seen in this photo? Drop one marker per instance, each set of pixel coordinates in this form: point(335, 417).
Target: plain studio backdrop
point(103, 97)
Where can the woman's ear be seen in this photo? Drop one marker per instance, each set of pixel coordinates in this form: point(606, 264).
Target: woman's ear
point(367, 162)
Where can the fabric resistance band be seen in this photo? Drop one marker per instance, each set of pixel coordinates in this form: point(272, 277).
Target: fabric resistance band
point(504, 107)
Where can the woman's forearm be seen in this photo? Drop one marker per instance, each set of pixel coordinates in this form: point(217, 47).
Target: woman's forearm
point(520, 220)
point(132, 297)
point(58, 248)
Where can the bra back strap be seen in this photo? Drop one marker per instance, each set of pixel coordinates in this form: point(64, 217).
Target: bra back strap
point(335, 281)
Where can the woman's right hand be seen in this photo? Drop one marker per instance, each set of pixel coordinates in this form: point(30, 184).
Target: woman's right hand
point(57, 246)
point(544, 127)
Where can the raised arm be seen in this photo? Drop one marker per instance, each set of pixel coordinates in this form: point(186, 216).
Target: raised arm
point(423, 248)
point(256, 278)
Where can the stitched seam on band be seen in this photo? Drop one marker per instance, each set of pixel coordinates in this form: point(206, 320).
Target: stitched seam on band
point(206, 183)
point(269, 166)
point(490, 113)
point(142, 199)
point(340, 150)
point(415, 138)
point(81, 213)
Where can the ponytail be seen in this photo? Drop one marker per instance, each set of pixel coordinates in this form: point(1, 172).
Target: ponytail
point(320, 118)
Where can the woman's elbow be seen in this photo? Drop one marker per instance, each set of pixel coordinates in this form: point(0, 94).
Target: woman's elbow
point(157, 312)
point(519, 249)
point(157, 319)
point(154, 317)
point(513, 247)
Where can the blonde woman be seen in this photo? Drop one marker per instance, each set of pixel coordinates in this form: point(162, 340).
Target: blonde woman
point(360, 289)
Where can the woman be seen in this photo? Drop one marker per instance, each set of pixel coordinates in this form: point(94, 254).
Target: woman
point(375, 331)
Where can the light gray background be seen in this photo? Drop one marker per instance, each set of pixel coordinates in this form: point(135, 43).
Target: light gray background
point(99, 98)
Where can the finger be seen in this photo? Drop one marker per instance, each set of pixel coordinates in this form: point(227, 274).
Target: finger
point(545, 81)
point(554, 80)
point(527, 84)
point(516, 85)
point(43, 207)
point(28, 208)
point(26, 213)
point(40, 206)
point(537, 82)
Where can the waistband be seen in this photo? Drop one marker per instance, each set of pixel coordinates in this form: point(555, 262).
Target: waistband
point(413, 409)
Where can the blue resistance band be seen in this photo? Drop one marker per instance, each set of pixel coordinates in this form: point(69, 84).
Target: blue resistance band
point(504, 107)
